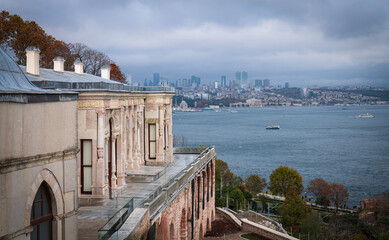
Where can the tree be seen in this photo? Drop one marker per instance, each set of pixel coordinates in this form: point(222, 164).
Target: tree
point(236, 180)
point(92, 59)
point(255, 184)
point(293, 210)
point(237, 196)
point(222, 172)
point(116, 73)
point(338, 194)
point(16, 35)
point(284, 180)
point(319, 188)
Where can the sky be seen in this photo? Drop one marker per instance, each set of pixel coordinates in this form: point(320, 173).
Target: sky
point(305, 42)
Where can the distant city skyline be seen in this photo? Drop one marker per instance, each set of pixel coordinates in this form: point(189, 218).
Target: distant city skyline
point(324, 43)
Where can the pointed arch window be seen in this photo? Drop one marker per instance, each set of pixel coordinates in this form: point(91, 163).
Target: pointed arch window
point(41, 215)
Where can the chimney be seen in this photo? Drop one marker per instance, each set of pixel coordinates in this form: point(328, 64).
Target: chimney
point(32, 65)
point(78, 67)
point(105, 72)
point(59, 64)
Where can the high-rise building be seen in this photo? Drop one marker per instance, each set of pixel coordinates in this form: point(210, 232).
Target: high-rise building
point(223, 81)
point(258, 83)
point(195, 80)
point(156, 79)
point(266, 82)
point(286, 85)
point(244, 76)
point(238, 76)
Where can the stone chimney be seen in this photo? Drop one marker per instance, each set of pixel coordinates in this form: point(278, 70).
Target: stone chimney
point(78, 67)
point(32, 63)
point(106, 72)
point(59, 64)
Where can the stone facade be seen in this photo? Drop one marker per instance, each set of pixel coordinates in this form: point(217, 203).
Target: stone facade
point(118, 126)
point(38, 146)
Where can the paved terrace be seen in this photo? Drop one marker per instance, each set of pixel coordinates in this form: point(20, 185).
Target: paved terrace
point(93, 217)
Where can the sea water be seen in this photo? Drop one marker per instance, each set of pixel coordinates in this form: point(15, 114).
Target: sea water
point(319, 142)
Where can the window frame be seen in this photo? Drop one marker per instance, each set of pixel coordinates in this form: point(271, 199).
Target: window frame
point(154, 141)
point(82, 165)
point(43, 218)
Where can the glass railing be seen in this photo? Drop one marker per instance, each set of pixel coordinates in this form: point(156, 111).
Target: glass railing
point(109, 230)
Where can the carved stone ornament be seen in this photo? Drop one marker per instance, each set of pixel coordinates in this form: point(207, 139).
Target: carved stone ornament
point(90, 104)
point(100, 153)
point(100, 111)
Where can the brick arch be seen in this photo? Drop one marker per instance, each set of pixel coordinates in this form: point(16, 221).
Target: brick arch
point(183, 225)
point(171, 230)
point(48, 177)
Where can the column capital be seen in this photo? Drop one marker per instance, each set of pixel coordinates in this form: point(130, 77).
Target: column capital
point(100, 111)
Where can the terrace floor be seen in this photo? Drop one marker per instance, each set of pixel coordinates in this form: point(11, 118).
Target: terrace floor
point(92, 218)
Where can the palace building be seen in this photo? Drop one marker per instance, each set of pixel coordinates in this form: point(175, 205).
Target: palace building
point(87, 157)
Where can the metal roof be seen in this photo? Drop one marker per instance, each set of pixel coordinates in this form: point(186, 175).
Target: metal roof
point(65, 76)
point(50, 79)
point(12, 78)
point(16, 87)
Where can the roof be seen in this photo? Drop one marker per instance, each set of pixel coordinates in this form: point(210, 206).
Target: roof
point(16, 87)
point(12, 78)
point(65, 76)
point(50, 79)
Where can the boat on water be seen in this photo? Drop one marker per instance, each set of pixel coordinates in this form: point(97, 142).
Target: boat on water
point(365, 115)
point(218, 110)
point(273, 127)
point(232, 111)
point(208, 109)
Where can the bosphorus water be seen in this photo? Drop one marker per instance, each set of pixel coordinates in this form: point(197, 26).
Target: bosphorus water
point(327, 142)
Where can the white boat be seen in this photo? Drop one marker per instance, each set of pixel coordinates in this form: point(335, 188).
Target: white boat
point(273, 127)
point(232, 111)
point(365, 115)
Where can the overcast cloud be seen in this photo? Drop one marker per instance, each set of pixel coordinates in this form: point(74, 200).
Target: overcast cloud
point(308, 42)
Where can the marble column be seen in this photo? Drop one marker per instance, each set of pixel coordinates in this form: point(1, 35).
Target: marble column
point(113, 169)
point(160, 156)
point(99, 187)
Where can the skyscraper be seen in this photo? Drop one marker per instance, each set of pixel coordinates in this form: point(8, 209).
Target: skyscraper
point(286, 85)
point(223, 81)
point(195, 80)
point(266, 82)
point(238, 76)
point(156, 79)
point(244, 76)
point(244, 83)
point(258, 83)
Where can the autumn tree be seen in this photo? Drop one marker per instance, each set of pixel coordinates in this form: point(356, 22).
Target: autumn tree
point(293, 211)
point(255, 184)
point(116, 73)
point(338, 194)
point(319, 188)
point(284, 180)
point(16, 35)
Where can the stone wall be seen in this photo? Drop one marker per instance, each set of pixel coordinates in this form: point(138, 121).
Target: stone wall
point(38, 146)
point(172, 212)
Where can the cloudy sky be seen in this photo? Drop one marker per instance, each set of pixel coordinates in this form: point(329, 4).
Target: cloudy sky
point(306, 42)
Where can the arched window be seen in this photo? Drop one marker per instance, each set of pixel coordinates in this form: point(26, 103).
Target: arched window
point(41, 215)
